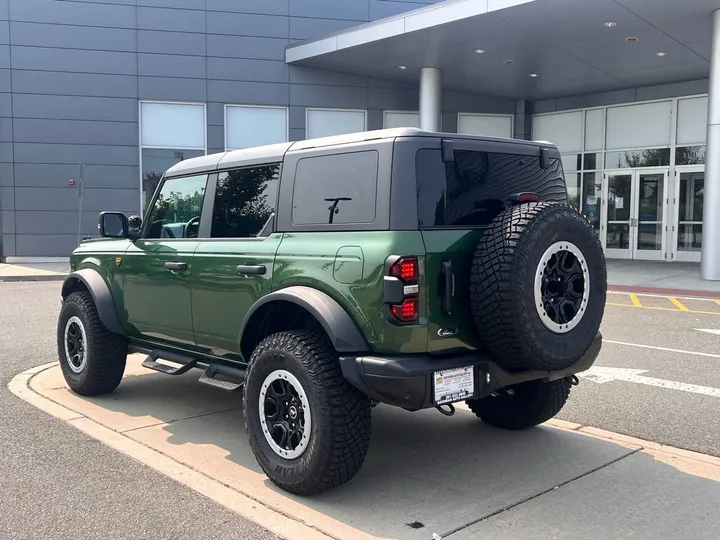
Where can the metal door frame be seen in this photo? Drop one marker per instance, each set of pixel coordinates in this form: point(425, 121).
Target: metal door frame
point(632, 252)
point(675, 253)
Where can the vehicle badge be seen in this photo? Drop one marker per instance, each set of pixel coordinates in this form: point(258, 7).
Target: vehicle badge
point(118, 262)
point(447, 331)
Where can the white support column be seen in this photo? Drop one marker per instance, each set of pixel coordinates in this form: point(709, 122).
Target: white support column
point(430, 99)
point(710, 266)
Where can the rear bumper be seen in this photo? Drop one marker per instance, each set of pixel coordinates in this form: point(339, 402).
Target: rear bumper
point(408, 381)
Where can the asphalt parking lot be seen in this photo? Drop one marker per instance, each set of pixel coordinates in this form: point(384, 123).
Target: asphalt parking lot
point(425, 473)
point(676, 352)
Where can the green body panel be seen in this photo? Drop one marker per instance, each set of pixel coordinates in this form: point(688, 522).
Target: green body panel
point(157, 301)
point(99, 254)
point(221, 297)
point(458, 247)
point(316, 259)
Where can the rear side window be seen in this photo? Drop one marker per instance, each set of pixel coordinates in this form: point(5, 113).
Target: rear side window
point(476, 187)
point(337, 189)
point(244, 201)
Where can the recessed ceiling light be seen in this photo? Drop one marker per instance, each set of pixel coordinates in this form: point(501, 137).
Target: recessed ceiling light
point(508, 62)
point(631, 39)
point(533, 75)
point(480, 51)
point(610, 24)
point(402, 67)
point(661, 54)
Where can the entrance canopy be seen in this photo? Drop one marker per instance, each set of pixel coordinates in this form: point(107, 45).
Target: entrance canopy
point(527, 49)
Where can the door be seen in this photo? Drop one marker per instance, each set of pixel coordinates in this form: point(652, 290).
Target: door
point(635, 214)
point(156, 268)
point(233, 268)
point(688, 215)
point(617, 192)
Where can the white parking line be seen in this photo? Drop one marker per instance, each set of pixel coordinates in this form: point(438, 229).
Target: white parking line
point(695, 353)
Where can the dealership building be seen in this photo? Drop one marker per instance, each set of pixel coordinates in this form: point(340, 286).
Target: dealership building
point(99, 97)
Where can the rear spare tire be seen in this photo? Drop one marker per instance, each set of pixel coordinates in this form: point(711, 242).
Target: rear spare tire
point(537, 286)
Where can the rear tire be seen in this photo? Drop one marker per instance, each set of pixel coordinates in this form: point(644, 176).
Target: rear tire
point(522, 406)
point(295, 388)
point(91, 357)
point(538, 286)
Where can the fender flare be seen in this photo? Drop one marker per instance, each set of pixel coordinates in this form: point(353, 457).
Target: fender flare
point(336, 322)
point(100, 293)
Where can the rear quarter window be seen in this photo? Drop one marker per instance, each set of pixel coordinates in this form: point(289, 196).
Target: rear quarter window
point(474, 189)
point(338, 189)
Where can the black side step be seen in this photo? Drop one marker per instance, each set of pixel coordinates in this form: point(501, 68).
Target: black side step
point(186, 362)
point(213, 370)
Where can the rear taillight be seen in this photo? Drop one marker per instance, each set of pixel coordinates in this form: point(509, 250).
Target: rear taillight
point(407, 311)
point(402, 289)
point(406, 269)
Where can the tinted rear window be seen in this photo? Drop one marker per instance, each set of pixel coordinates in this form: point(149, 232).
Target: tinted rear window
point(339, 188)
point(477, 186)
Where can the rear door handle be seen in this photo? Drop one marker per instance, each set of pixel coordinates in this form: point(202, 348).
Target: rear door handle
point(259, 270)
point(176, 266)
point(446, 287)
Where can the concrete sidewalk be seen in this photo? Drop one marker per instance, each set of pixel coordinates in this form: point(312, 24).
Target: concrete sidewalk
point(49, 271)
point(425, 473)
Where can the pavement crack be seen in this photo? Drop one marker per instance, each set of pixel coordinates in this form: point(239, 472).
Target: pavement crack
point(535, 496)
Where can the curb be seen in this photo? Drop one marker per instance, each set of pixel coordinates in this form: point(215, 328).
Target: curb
point(277, 522)
point(273, 518)
point(51, 277)
point(663, 292)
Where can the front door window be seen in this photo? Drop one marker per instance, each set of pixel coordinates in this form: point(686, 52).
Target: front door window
point(176, 211)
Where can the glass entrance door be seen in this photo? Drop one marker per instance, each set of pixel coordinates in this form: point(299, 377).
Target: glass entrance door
point(618, 190)
point(635, 214)
point(687, 225)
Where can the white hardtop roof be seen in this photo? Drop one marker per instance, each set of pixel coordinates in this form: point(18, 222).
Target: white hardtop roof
point(275, 152)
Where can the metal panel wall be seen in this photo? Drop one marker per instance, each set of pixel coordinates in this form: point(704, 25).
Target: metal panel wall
point(72, 72)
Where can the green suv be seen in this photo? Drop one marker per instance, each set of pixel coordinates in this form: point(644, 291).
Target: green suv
point(323, 277)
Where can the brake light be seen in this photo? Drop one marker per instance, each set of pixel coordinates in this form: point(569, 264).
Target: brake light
point(407, 311)
point(528, 197)
point(402, 289)
point(405, 269)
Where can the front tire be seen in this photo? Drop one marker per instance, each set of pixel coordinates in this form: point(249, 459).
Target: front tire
point(308, 427)
point(91, 357)
point(523, 405)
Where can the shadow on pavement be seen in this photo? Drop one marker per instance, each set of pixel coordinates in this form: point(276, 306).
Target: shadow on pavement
point(426, 473)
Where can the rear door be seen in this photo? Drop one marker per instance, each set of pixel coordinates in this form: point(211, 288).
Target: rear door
point(233, 268)
point(456, 202)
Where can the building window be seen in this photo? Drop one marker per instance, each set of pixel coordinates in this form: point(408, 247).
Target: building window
point(244, 201)
point(638, 126)
point(486, 125)
point(329, 122)
point(246, 127)
point(398, 119)
point(564, 130)
point(338, 189)
point(169, 133)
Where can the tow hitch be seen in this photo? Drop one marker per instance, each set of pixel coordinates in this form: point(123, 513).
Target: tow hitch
point(447, 409)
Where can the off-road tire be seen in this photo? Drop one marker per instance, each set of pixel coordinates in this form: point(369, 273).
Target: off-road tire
point(531, 404)
point(502, 287)
point(340, 431)
point(106, 352)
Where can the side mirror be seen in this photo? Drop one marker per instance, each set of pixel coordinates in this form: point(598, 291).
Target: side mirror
point(134, 227)
point(113, 225)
